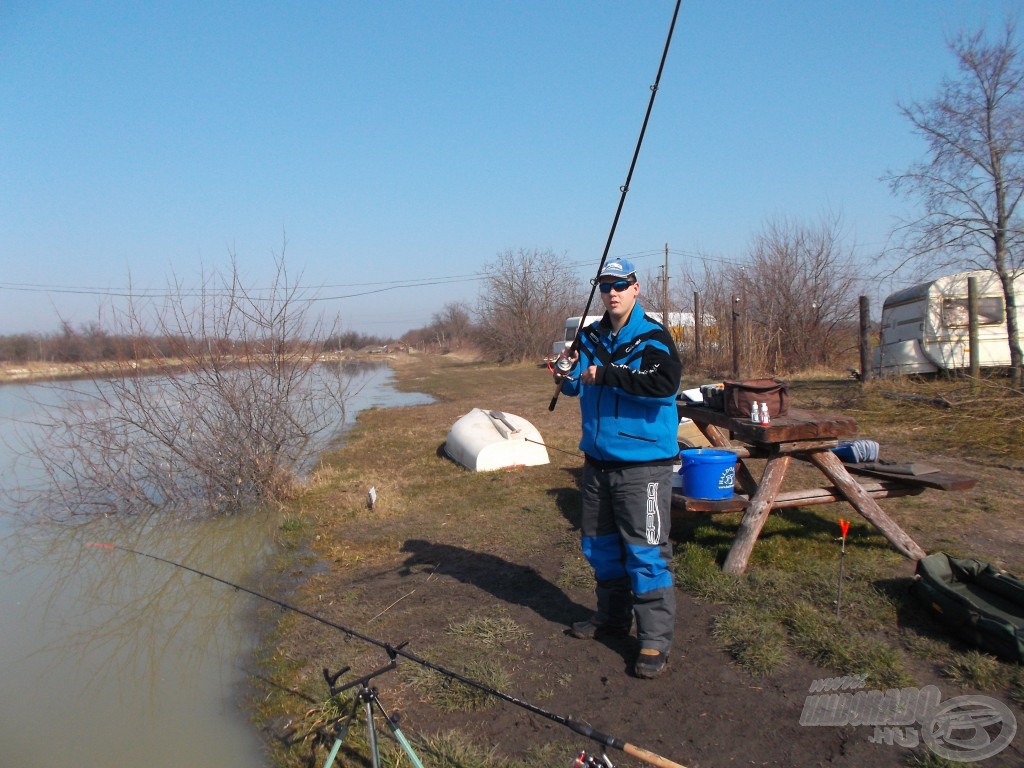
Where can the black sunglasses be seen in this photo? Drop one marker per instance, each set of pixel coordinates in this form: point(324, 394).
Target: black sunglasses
point(618, 286)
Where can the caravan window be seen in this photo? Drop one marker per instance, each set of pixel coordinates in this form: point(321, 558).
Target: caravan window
point(990, 312)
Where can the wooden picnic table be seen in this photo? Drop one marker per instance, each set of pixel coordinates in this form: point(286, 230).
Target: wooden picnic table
point(808, 437)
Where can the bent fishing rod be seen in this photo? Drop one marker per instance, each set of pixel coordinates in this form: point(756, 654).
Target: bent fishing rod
point(624, 189)
point(394, 651)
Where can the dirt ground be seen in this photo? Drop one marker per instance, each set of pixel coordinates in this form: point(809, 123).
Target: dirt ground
point(705, 711)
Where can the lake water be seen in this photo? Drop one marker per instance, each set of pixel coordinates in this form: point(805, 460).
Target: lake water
point(108, 658)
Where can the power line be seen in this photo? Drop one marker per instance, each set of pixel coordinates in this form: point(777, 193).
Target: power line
point(156, 293)
point(366, 287)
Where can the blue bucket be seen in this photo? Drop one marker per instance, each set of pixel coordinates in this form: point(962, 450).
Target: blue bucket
point(708, 473)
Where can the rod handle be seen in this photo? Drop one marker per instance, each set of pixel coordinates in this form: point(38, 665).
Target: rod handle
point(649, 757)
point(554, 397)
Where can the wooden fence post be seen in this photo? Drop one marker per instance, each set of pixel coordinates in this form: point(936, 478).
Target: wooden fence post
point(865, 346)
point(972, 329)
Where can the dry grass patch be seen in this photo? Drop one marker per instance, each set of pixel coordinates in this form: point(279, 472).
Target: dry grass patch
point(489, 631)
point(974, 670)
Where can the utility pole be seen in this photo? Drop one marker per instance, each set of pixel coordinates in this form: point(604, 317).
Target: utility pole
point(736, 310)
point(664, 290)
point(697, 329)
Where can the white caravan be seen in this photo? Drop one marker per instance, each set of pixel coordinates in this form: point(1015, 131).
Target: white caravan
point(925, 327)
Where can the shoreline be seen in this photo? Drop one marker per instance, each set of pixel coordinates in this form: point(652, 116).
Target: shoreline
point(21, 373)
point(28, 373)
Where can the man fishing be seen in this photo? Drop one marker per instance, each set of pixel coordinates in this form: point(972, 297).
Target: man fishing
point(626, 374)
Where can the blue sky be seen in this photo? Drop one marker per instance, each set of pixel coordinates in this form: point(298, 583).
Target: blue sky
point(414, 141)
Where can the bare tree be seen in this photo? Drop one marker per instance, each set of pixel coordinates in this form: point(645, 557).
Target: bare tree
point(229, 427)
point(795, 297)
point(526, 297)
point(800, 288)
point(452, 327)
point(971, 183)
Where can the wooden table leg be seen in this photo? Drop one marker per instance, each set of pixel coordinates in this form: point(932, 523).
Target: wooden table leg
point(717, 436)
point(756, 514)
point(833, 469)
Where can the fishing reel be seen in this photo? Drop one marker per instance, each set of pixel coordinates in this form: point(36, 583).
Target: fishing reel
point(561, 368)
point(583, 760)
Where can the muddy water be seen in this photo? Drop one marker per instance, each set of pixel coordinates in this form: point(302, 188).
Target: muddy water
point(107, 658)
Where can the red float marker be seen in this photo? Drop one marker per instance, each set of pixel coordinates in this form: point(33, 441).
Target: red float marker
point(844, 527)
point(100, 545)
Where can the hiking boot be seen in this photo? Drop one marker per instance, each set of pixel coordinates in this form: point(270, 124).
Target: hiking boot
point(650, 663)
point(590, 630)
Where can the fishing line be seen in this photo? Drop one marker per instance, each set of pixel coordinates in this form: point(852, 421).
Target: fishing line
point(574, 454)
point(622, 198)
point(394, 651)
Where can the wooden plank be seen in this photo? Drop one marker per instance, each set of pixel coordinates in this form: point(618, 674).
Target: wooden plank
point(788, 499)
point(805, 445)
point(940, 481)
point(734, 503)
point(831, 494)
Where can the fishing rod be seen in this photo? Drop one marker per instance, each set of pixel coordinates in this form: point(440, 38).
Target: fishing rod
point(394, 651)
point(624, 189)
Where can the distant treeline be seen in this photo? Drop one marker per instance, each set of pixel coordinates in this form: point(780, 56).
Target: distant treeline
point(90, 342)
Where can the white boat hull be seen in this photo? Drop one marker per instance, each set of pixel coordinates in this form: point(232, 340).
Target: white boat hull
point(487, 440)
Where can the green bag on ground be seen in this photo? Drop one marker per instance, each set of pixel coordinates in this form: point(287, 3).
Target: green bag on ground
point(981, 604)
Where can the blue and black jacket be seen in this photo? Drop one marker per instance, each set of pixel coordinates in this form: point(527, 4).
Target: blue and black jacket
point(629, 413)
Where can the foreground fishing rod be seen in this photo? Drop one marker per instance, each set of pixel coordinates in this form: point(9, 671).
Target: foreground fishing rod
point(574, 347)
point(394, 651)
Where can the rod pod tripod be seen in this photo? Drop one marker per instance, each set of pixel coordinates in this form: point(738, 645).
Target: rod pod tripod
point(367, 697)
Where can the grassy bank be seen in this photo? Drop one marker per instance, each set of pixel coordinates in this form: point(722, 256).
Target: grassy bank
point(422, 499)
point(481, 571)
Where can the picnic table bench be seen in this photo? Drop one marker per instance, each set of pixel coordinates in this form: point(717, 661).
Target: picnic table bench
point(808, 437)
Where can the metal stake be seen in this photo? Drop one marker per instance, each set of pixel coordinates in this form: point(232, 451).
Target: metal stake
point(844, 527)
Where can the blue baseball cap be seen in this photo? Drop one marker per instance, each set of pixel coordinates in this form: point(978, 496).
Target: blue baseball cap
point(618, 268)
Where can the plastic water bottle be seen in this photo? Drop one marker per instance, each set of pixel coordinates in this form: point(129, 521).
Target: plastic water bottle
point(755, 413)
point(765, 417)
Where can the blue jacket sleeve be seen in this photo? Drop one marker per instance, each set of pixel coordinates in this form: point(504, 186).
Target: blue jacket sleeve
point(657, 375)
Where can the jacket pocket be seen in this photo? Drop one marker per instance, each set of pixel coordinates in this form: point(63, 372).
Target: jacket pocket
point(637, 437)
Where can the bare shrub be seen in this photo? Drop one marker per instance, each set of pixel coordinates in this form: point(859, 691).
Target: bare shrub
point(523, 305)
point(229, 427)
